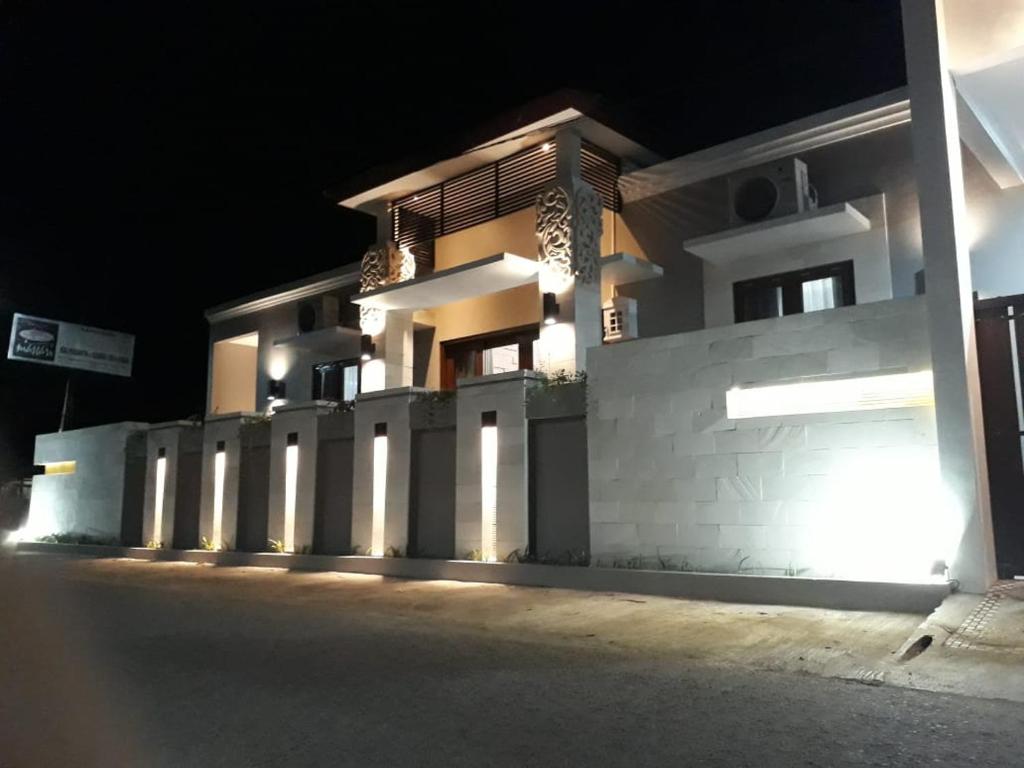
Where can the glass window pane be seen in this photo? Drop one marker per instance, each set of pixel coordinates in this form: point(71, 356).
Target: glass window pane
point(820, 294)
point(351, 382)
point(501, 359)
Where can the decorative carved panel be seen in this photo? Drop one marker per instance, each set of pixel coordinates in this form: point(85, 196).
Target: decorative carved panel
point(554, 234)
point(586, 263)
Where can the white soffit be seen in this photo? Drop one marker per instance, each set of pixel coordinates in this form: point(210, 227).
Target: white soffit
point(625, 268)
point(466, 281)
point(827, 223)
point(504, 146)
point(992, 115)
point(248, 340)
point(840, 124)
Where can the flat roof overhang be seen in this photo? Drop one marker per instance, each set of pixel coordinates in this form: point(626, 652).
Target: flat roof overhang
point(490, 275)
point(466, 281)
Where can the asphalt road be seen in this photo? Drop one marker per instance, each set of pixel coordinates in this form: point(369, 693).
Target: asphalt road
point(196, 666)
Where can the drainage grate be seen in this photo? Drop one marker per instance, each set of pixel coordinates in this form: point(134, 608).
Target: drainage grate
point(969, 634)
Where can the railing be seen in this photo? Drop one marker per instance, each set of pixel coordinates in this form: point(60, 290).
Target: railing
point(494, 190)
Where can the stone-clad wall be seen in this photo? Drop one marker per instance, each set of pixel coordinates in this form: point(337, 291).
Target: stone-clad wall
point(673, 479)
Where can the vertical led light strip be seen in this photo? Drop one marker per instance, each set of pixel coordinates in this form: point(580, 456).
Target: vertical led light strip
point(380, 488)
point(291, 479)
point(489, 486)
point(158, 505)
point(219, 460)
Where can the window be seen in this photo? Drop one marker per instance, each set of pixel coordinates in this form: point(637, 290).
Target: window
point(790, 293)
point(337, 381)
point(490, 353)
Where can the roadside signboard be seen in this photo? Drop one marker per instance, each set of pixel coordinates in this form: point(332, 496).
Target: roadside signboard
point(68, 345)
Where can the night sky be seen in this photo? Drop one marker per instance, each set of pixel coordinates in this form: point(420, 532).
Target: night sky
point(160, 159)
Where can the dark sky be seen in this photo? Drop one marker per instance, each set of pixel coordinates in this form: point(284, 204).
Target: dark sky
point(159, 159)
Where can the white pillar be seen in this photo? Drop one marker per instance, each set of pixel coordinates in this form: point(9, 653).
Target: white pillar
point(503, 504)
point(569, 249)
point(293, 464)
point(381, 466)
point(940, 188)
point(218, 511)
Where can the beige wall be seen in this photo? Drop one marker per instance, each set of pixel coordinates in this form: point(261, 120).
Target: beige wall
point(234, 378)
point(514, 233)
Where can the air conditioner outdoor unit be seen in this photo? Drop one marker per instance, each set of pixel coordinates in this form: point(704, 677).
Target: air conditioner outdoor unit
point(317, 313)
point(770, 191)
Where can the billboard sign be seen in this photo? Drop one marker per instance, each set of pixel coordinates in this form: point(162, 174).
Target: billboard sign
point(68, 345)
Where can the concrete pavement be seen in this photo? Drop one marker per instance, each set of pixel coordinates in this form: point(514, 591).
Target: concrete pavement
point(115, 662)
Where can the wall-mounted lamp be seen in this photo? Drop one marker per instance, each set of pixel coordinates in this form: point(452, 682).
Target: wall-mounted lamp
point(550, 309)
point(366, 347)
point(275, 389)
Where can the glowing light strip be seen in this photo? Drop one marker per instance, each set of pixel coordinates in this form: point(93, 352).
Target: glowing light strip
point(158, 506)
point(380, 489)
point(59, 468)
point(219, 461)
point(291, 476)
point(862, 393)
point(489, 493)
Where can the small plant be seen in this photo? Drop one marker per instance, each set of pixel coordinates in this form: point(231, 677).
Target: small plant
point(435, 402)
point(475, 554)
point(276, 545)
point(393, 552)
point(154, 544)
point(207, 544)
point(561, 377)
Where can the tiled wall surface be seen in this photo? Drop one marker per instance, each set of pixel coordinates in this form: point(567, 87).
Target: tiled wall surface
point(676, 483)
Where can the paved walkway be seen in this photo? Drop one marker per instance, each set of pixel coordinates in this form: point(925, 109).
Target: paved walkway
point(114, 662)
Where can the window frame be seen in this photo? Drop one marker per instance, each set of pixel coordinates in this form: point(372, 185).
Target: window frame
point(791, 284)
point(316, 385)
point(524, 336)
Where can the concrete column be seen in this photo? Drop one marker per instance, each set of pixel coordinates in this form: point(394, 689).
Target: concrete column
point(391, 331)
point(291, 520)
point(221, 430)
point(380, 414)
point(504, 394)
point(397, 349)
point(949, 293)
point(165, 444)
point(569, 242)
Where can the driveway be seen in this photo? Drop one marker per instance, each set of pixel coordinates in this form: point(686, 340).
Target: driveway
point(124, 663)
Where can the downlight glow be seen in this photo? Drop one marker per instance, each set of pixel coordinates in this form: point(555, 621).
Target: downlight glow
point(219, 463)
point(291, 478)
point(380, 488)
point(489, 487)
point(158, 505)
point(862, 393)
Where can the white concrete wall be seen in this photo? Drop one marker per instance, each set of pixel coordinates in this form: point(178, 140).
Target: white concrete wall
point(845, 494)
point(174, 438)
point(90, 501)
point(996, 225)
point(224, 428)
point(301, 418)
point(391, 407)
point(504, 393)
point(869, 252)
